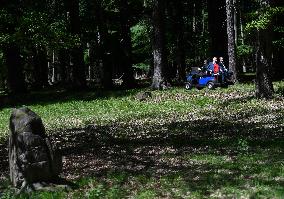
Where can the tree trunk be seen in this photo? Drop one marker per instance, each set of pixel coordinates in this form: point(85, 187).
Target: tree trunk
point(40, 68)
point(217, 27)
point(264, 86)
point(194, 18)
point(104, 50)
point(278, 50)
point(15, 78)
point(158, 79)
point(179, 33)
point(64, 67)
point(78, 72)
point(231, 38)
point(278, 60)
point(203, 4)
point(92, 60)
point(78, 68)
point(235, 13)
point(125, 43)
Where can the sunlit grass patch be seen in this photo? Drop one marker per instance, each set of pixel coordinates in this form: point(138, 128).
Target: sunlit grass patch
point(4, 124)
point(163, 105)
point(209, 159)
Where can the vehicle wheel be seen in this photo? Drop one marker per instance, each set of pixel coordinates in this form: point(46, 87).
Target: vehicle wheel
point(188, 86)
point(210, 85)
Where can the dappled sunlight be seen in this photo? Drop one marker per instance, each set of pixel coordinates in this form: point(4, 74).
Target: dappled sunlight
point(215, 144)
point(202, 163)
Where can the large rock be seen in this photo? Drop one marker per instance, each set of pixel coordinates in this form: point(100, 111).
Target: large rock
point(32, 160)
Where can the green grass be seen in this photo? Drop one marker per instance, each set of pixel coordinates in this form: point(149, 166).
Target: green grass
point(76, 113)
point(176, 144)
point(67, 110)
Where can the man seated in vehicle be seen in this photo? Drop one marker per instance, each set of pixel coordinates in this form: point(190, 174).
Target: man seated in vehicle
point(204, 69)
point(226, 74)
point(211, 65)
point(201, 71)
point(221, 64)
point(214, 69)
point(223, 69)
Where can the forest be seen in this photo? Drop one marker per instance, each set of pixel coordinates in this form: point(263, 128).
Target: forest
point(82, 44)
point(94, 103)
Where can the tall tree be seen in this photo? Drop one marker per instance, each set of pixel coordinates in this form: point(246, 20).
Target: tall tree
point(178, 31)
point(217, 27)
point(125, 43)
point(59, 55)
point(278, 48)
point(63, 66)
point(40, 67)
point(9, 21)
point(103, 44)
point(264, 86)
point(159, 52)
point(16, 80)
point(78, 72)
point(231, 31)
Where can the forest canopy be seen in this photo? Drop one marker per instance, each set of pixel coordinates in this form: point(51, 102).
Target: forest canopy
point(79, 44)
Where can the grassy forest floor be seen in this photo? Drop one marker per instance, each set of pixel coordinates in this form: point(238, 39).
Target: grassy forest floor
point(176, 144)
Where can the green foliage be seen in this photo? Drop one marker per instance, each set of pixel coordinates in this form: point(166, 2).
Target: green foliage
point(35, 28)
point(262, 18)
point(142, 66)
point(141, 43)
point(86, 57)
point(96, 192)
point(280, 42)
point(10, 194)
point(3, 71)
point(146, 194)
point(6, 26)
point(244, 50)
point(279, 29)
point(140, 34)
point(242, 145)
point(38, 29)
point(110, 5)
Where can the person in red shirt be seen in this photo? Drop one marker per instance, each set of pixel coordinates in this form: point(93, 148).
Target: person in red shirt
point(212, 67)
point(216, 69)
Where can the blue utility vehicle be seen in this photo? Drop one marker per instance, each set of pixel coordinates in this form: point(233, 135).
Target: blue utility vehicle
point(200, 79)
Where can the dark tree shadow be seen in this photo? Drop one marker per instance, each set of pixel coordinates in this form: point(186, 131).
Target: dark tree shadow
point(55, 96)
point(160, 150)
point(96, 151)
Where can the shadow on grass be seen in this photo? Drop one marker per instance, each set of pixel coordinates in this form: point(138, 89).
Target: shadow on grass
point(55, 96)
point(167, 150)
point(206, 154)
